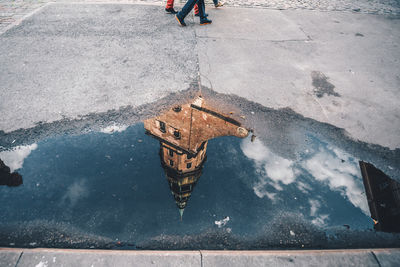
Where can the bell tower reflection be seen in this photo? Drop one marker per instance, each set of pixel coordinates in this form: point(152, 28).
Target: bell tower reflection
point(183, 132)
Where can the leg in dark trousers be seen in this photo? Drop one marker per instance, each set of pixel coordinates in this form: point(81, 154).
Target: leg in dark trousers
point(188, 7)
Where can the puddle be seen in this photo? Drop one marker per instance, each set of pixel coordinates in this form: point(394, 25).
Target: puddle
point(125, 185)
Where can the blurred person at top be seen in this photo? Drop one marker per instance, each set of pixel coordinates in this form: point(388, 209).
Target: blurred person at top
point(169, 8)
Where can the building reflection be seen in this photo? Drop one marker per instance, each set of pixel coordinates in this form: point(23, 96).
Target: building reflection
point(183, 132)
point(383, 195)
point(7, 177)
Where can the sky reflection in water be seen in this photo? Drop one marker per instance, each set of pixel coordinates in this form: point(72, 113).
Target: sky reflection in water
point(111, 184)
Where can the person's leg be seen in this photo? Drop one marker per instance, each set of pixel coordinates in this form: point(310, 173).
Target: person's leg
point(170, 7)
point(201, 5)
point(202, 13)
point(196, 11)
point(170, 4)
point(186, 9)
point(217, 3)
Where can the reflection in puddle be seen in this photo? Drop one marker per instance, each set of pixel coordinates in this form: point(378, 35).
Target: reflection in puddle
point(12, 160)
point(383, 194)
point(321, 165)
point(297, 185)
point(8, 177)
point(183, 132)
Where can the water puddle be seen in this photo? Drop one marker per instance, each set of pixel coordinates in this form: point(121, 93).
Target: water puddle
point(195, 176)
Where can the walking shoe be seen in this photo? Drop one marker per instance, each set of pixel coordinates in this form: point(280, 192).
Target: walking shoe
point(180, 21)
point(205, 21)
point(171, 10)
point(219, 4)
point(198, 15)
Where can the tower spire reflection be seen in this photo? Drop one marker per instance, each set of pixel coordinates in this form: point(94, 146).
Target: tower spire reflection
point(183, 132)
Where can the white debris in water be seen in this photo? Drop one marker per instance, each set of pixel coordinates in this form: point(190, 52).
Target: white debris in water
point(390, 167)
point(222, 222)
point(292, 233)
point(32, 244)
point(229, 230)
point(42, 264)
point(12, 244)
point(114, 128)
point(15, 157)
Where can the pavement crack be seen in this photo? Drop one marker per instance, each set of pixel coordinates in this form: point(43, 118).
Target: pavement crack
point(207, 59)
point(201, 258)
point(19, 258)
point(258, 40)
point(308, 36)
point(376, 258)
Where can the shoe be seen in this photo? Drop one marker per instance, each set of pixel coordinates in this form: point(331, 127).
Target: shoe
point(205, 21)
point(171, 10)
point(219, 4)
point(180, 21)
point(198, 15)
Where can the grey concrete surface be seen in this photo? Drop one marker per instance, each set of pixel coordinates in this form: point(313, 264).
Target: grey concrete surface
point(356, 56)
point(69, 60)
point(387, 258)
point(289, 258)
point(9, 257)
point(89, 258)
point(66, 257)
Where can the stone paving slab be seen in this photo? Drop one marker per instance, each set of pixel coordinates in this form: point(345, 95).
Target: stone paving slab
point(289, 258)
point(204, 258)
point(344, 71)
point(57, 258)
point(68, 60)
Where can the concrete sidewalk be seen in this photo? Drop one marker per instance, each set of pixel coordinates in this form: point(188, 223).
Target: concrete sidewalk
point(65, 257)
point(69, 60)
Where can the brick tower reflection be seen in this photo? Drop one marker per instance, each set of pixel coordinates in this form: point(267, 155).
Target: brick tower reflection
point(183, 132)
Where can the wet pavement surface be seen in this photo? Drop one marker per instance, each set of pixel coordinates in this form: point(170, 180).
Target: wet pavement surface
point(98, 182)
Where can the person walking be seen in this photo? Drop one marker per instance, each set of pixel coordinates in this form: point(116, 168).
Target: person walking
point(180, 17)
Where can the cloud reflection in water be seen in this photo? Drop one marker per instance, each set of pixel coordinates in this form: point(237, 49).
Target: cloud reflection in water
point(15, 157)
point(323, 166)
